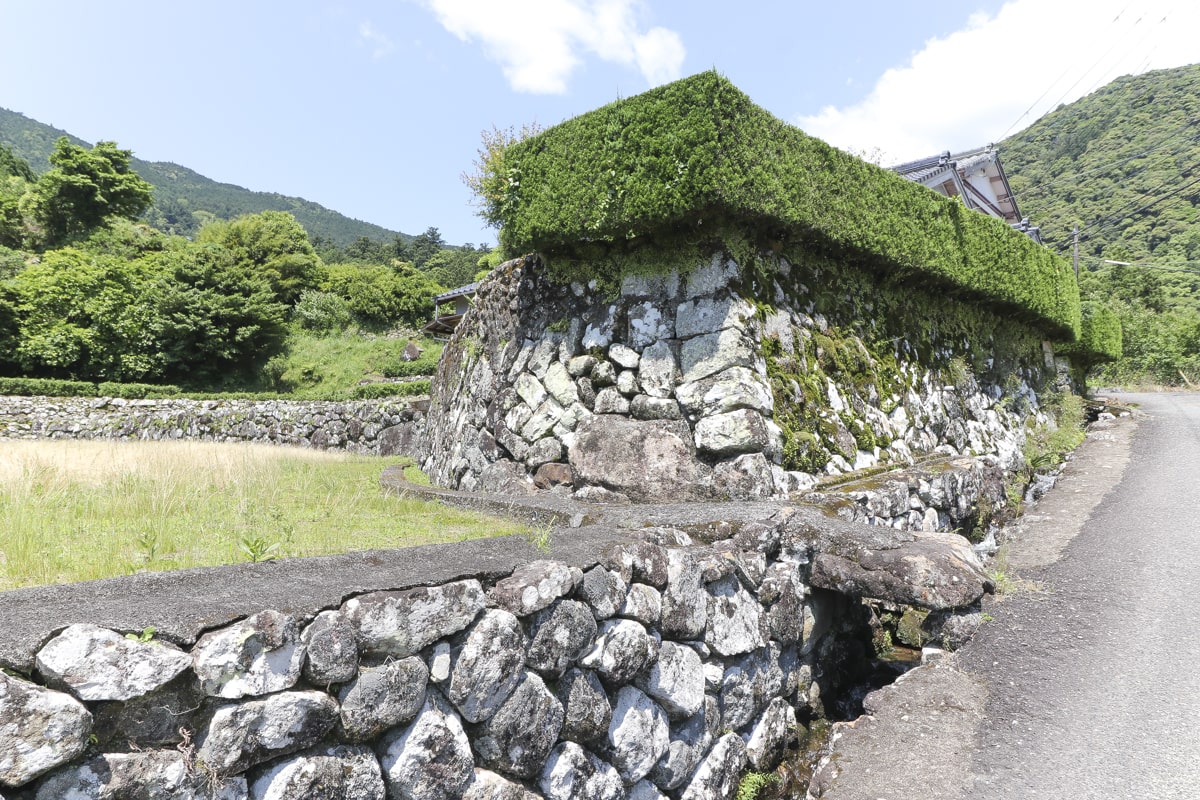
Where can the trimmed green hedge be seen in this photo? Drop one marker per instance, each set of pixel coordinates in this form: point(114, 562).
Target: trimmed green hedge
point(376, 391)
point(1100, 337)
point(37, 387)
point(689, 160)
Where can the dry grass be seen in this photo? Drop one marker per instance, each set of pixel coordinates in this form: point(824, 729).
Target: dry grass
point(78, 510)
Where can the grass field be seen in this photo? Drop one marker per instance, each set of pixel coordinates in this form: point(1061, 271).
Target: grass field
point(79, 510)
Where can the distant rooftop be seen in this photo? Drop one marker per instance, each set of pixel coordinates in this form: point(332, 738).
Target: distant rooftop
point(977, 177)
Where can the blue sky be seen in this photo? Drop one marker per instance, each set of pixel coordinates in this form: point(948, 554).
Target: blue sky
point(375, 108)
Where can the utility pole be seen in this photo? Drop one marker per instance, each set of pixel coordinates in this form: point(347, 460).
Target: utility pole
point(1076, 256)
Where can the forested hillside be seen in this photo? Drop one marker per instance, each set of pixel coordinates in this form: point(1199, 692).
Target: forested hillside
point(185, 200)
point(90, 292)
point(1123, 164)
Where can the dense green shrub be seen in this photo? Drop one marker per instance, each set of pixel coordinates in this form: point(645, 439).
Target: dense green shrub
point(321, 311)
point(399, 368)
point(1099, 338)
point(380, 296)
point(682, 166)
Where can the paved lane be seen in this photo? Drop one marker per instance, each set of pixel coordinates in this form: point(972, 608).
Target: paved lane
point(1094, 681)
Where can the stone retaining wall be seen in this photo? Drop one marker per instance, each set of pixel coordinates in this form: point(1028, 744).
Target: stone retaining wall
point(667, 669)
point(685, 386)
point(375, 427)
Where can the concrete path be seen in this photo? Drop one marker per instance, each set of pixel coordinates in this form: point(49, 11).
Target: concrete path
point(1085, 683)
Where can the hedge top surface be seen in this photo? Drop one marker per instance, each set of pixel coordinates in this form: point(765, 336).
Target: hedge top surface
point(697, 156)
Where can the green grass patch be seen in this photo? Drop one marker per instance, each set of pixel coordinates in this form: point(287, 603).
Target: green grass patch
point(76, 511)
point(319, 367)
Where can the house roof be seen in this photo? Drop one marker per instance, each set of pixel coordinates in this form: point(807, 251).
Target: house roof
point(461, 291)
point(978, 176)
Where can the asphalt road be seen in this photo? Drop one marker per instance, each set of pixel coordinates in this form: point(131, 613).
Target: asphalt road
point(1093, 674)
point(1085, 681)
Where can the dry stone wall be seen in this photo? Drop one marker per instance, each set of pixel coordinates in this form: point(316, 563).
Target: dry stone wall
point(668, 388)
point(666, 669)
point(372, 427)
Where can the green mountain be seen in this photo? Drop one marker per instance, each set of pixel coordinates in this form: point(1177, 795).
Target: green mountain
point(185, 199)
point(1123, 164)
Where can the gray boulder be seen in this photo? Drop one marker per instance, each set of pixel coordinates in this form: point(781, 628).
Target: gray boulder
point(154, 775)
point(689, 742)
point(98, 664)
point(937, 571)
point(561, 635)
point(638, 734)
point(729, 390)
point(382, 697)
point(684, 600)
point(487, 667)
point(643, 603)
point(259, 655)
point(587, 712)
point(642, 561)
point(768, 741)
point(330, 651)
point(734, 618)
point(241, 735)
point(488, 785)
point(711, 353)
point(718, 775)
point(401, 624)
point(602, 591)
point(345, 772)
point(152, 720)
point(430, 759)
point(622, 649)
point(734, 432)
point(534, 586)
point(645, 790)
point(675, 680)
point(645, 460)
point(518, 737)
point(659, 371)
point(572, 773)
point(782, 593)
point(749, 684)
point(42, 729)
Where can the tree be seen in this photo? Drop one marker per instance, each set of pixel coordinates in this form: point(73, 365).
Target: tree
point(218, 321)
point(87, 317)
point(274, 245)
point(83, 189)
point(425, 246)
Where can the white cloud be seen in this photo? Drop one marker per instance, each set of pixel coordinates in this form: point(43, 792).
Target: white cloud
point(538, 43)
point(381, 46)
point(977, 85)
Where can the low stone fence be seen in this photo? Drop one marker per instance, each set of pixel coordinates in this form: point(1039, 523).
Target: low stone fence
point(662, 667)
point(375, 427)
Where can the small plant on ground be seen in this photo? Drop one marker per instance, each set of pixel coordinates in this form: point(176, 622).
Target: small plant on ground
point(753, 783)
point(258, 548)
point(144, 637)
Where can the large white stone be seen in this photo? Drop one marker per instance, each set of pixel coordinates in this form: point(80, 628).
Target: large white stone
point(659, 371)
point(40, 729)
point(638, 734)
point(734, 432)
point(708, 315)
point(431, 758)
point(261, 654)
point(95, 663)
point(675, 680)
point(711, 353)
point(403, 623)
point(561, 385)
